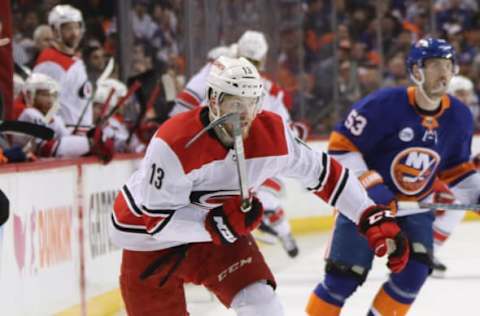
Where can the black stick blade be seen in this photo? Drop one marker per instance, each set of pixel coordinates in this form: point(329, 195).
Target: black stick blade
point(31, 129)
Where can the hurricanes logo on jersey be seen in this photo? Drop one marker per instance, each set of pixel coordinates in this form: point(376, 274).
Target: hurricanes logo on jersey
point(412, 169)
point(211, 199)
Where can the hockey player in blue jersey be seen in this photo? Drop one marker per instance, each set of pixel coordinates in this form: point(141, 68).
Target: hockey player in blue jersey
point(397, 140)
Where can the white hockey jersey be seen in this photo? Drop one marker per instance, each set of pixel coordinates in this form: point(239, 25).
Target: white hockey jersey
point(194, 92)
point(75, 88)
point(117, 130)
point(274, 100)
point(165, 202)
point(62, 145)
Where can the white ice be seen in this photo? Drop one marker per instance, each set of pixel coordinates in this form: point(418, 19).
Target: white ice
point(457, 294)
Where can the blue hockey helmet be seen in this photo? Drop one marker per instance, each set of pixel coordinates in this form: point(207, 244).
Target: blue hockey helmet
point(426, 48)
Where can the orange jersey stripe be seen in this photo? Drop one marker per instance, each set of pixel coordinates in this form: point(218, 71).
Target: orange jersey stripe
point(409, 170)
point(339, 142)
point(445, 101)
point(370, 178)
point(385, 305)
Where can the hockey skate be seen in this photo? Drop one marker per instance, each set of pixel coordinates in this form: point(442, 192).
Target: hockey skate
point(439, 269)
point(289, 244)
point(279, 230)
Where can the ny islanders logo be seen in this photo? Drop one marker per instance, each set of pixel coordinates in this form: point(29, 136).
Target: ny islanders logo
point(412, 169)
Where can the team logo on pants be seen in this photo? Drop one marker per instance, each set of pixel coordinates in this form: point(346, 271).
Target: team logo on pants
point(412, 169)
point(234, 267)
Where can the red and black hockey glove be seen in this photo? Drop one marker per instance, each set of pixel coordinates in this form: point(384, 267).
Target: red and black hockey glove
point(103, 149)
point(227, 222)
point(378, 225)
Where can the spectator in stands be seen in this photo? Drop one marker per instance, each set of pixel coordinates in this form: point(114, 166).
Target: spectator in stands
point(324, 88)
point(164, 37)
point(396, 74)
point(141, 62)
point(42, 39)
point(95, 60)
point(401, 44)
point(368, 79)
point(417, 19)
point(143, 25)
point(456, 12)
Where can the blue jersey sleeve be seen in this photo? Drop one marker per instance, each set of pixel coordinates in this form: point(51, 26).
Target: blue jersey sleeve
point(366, 123)
point(456, 165)
point(460, 150)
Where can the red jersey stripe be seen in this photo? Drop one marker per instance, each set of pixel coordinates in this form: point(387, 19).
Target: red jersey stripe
point(54, 55)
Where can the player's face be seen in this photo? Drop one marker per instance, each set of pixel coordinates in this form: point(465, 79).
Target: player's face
point(247, 107)
point(45, 40)
point(71, 34)
point(438, 73)
point(44, 100)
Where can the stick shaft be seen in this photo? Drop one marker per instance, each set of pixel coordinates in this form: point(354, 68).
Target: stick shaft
point(446, 207)
point(241, 163)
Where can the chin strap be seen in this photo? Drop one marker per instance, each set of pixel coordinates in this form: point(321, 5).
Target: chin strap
point(420, 83)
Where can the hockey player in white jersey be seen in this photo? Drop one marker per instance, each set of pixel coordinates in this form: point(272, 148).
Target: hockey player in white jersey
point(60, 63)
point(40, 92)
point(178, 217)
point(193, 94)
point(446, 221)
point(115, 126)
point(253, 46)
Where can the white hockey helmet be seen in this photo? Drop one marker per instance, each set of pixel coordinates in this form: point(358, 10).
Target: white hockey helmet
point(38, 81)
point(460, 83)
point(18, 84)
point(232, 76)
point(64, 13)
point(253, 45)
point(103, 91)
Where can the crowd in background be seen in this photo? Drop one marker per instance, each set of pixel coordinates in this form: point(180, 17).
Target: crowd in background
point(306, 43)
point(359, 52)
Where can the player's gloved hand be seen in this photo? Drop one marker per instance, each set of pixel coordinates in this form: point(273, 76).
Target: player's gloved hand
point(379, 226)
point(227, 222)
point(441, 194)
point(372, 181)
point(103, 149)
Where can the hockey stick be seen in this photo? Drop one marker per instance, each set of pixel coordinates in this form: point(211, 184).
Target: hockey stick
point(442, 206)
point(27, 128)
point(105, 74)
point(153, 97)
point(234, 118)
point(241, 163)
point(98, 129)
point(133, 88)
point(104, 118)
